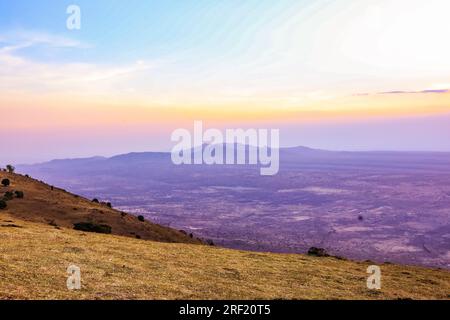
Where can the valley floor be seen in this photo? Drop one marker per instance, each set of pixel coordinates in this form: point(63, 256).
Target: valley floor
point(34, 259)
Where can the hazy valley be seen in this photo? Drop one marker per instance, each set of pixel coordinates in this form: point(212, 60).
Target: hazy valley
point(130, 258)
point(382, 206)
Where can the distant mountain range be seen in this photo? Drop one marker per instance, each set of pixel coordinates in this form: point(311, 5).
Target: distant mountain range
point(292, 155)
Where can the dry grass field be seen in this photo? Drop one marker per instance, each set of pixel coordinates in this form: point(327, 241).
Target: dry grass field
point(34, 257)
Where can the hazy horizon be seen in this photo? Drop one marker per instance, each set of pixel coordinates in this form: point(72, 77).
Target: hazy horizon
point(106, 156)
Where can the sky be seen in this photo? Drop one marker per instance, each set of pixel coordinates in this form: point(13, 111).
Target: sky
point(339, 75)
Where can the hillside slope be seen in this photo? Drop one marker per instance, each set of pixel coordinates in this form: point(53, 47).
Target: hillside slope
point(34, 259)
point(50, 205)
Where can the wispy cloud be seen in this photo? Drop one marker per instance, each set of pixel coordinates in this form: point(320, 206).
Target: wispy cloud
point(26, 38)
point(415, 92)
point(404, 92)
point(21, 73)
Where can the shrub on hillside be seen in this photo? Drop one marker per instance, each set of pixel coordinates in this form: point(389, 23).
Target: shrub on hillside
point(3, 204)
point(317, 252)
point(19, 194)
point(141, 218)
point(10, 168)
point(92, 227)
point(95, 200)
point(6, 182)
point(8, 196)
point(52, 223)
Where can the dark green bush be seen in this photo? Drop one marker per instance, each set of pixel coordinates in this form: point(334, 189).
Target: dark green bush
point(6, 182)
point(141, 218)
point(3, 204)
point(53, 223)
point(92, 227)
point(317, 252)
point(19, 194)
point(8, 196)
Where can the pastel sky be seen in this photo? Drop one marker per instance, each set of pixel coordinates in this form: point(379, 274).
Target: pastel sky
point(342, 74)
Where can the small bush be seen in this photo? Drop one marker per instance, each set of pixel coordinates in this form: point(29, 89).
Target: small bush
point(123, 214)
point(3, 204)
point(209, 242)
point(19, 194)
point(10, 168)
point(141, 218)
point(6, 182)
point(92, 227)
point(8, 196)
point(95, 200)
point(52, 223)
point(108, 204)
point(317, 252)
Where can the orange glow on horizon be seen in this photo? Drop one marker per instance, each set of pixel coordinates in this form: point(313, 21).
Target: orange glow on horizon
point(74, 111)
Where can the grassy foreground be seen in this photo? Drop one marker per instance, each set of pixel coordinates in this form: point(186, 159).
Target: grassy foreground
point(34, 258)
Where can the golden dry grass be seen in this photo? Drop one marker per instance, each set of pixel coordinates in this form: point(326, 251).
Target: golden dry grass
point(34, 259)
